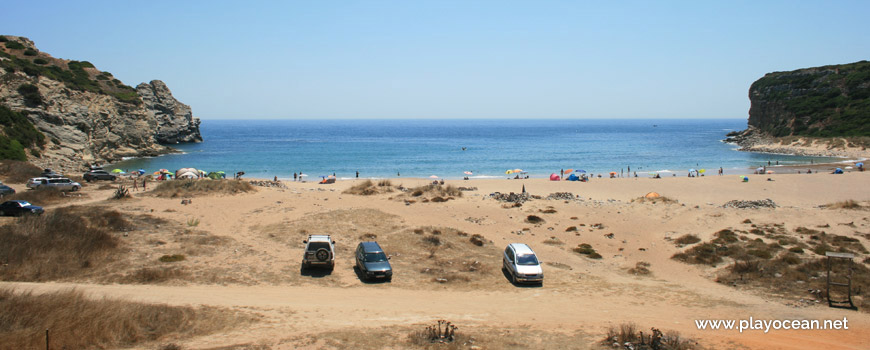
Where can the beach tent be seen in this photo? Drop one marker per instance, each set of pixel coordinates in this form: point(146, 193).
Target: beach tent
point(215, 176)
point(652, 195)
point(433, 176)
point(468, 173)
point(186, 173)
point(554, 177)
point(117, 171)
point(744, 178)
point(838, 171)
point(573, 177)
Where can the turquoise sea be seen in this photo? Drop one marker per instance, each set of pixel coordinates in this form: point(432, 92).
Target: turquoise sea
point(421, 148)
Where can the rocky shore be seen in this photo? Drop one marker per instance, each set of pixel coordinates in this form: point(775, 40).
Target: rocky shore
point(752, 140)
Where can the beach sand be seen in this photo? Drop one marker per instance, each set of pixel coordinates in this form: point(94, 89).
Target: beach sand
point(253, 261)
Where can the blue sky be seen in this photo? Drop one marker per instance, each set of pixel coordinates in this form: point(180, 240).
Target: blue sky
point(449, 59)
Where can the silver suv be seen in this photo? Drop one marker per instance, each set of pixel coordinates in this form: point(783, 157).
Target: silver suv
point(319, 251)
point(522, 264)
point(61, 183)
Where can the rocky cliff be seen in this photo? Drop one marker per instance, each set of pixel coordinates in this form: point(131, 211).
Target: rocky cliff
point(827, 101)
point(87, 115)
point(821, 111)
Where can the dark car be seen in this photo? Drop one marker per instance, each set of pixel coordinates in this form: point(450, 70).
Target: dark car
point(372, 262)
point(4, 190)
point(18, 208)
point(98, 175)
point(50, 174)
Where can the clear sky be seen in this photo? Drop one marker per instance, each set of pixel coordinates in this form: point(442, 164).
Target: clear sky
point(449, 59)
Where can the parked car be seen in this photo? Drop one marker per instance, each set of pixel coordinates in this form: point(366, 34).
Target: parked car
point(50, 174)
point(5, 190)
point(372, 262)
point(18, 208)
point(62, 184)
point(98, 174)
point(319, 251)
point(522, 264)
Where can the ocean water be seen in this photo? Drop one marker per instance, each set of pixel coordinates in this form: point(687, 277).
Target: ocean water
point(421, 148)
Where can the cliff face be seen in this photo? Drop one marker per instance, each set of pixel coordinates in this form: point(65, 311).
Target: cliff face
point(821, 102)
point(175, 121)
point(87, 116)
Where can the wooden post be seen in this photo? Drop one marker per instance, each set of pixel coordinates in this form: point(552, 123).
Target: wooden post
point(46, 340)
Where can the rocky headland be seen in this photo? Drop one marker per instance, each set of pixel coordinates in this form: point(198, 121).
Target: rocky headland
point(86, 115)
point(820, 111)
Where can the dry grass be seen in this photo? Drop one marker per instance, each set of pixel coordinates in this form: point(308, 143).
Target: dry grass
point(432, 192)
point(369, 188)
point(204, 187)
point(847, 204)
point(443, 255)
point(687, 239)
point(653, 339)
point(14, 171)
point(76, 322)
point(587, 250)
point(640, 269)
point(655, 200)
point(44, 196)
point(61, 243)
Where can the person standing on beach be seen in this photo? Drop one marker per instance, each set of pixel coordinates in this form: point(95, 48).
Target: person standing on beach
point(357, 174)
point(721, 171)
point(397, 174)
point(562, 173)
point(143, 182)
point(135, 187)
point(294, 176)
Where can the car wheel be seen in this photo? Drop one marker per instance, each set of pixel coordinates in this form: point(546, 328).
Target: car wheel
point(322, 254)
point(75, 188)
point(514, 279)
point(2, 213)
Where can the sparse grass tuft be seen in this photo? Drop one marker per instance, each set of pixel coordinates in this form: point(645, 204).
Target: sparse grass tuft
point(534, 219)
point(43, 196)
point(640, 269)
point(687, 239)
point(172, 258)
point(629, 336)
point(369, 188)
point(77, 322)
point(204, 187)
point(847, 204)
point(193, 222)
point(60, 243)
point(587, 250)
point(15, 171)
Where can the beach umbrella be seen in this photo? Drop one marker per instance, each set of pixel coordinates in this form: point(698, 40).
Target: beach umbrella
point(702, 171)
point(301, 175)
point(323, 176)
point(509, 171)
point(117, 171)
point(433, 176)
point(848, 167)
point(692, 170)
point(468, 173)
point(580, 171)
point(568, 171)
point(612, 173)
point(860, 165)
point(518, 170)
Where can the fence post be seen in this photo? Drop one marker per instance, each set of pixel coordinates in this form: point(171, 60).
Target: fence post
point(46, 340)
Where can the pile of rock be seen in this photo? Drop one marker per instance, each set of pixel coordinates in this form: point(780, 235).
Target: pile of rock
point(764, 203)
point(511, 197)
point(468, 189)
point(275, 184)
point(565, 196)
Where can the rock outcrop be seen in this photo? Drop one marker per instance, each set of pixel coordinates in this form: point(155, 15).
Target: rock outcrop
point(820, 111)
point(175, 121)
point(88, 116)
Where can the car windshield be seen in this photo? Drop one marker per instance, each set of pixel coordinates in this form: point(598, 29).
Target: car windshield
point(527, 260)
point(313, 246)
point(376, 257)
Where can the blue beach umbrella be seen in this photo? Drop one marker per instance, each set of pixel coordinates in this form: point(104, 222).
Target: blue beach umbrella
point(580, 171)
point(860, 165)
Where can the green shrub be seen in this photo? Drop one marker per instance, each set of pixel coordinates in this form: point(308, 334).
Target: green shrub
point(32, 97)
point(30, 52)
point(17, 127)
point(14, 45)
point(3, 39)
point(172, 258)
point(40, 61)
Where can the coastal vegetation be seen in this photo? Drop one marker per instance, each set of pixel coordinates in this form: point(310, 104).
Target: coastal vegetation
point(76, 75)
point(369, 187)
point(74, 321)
point(828, 101)
point(193, 188)
point(18, 134)
point(17, 171)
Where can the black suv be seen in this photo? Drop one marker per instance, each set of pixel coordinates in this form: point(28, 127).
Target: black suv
point(98, 175)
point(372, 262)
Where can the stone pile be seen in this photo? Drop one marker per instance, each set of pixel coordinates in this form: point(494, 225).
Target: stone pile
point(763, 203)
point(511, 197)
point(567, 196)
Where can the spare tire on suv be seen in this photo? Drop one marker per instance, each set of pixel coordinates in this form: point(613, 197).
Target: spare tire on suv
point(319, 252)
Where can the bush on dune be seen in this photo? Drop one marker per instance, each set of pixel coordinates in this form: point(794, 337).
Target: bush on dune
point(42, 196)
point(192, 188)
point(369, 188)
point(58, 244)
point(76, 322)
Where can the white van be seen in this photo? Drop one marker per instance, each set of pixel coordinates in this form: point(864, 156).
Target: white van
point(522, 264)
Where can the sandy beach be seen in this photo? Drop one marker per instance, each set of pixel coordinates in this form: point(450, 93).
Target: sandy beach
point(243, 253)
